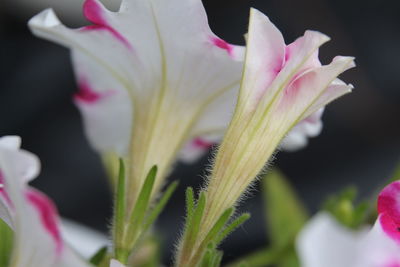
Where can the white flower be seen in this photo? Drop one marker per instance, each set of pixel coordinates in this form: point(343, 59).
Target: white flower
point(32, 215)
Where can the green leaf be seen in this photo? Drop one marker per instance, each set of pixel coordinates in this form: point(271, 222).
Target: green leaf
point(206, 262)
point(120, 199)
point(217, 227)
point(217, 258)
point(232, 227)
point(342, 206)
point(6, 243)
point(289, 259)
point(286, 214)
point(194, 223)
point(143, 202)
point(97, 258)
point(189, 203)
point(155, 212)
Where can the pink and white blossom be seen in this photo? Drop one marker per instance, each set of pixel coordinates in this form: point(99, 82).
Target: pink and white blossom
point(154, 77)
point(325, 242)
point(31, 214)
point(283, 86)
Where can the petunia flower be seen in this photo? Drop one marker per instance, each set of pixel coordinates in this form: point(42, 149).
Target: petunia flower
point(155, 82)
point(282, 85)
point(31, 214)
point(325, 242)
point(152, 76)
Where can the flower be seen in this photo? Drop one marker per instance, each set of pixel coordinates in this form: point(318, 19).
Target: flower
point(152, 76)
point(31, 214)
point(325, 242)
point(155, 82)
point(282, 85)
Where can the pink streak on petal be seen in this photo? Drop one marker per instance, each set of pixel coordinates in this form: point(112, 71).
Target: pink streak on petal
point(86, 94)
point(93, 11)
point(222, 44)
point(3, 192)
point(389, 210)
point(201, 143)
point(48, 215)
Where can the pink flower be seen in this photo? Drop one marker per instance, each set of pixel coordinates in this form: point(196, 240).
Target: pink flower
point(31, 214)
point(325, 242)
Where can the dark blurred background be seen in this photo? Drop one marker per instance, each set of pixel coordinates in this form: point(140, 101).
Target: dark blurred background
point(360, 143)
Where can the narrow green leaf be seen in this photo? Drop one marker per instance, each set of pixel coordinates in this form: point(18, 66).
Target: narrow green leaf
point(141, 208)
point(99, 256)
point(206, 262)
point(193, 220)
point(285, 213)
point(120, 198)
point(215, 230)
point(6, 243)
point(160, 205)
point(217, 259)
point(194, 223)
point(223, 219)
point(232, 227)
point(189, 203)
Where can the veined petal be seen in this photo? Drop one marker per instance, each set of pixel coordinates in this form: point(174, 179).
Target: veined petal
point(162, 53)
point(335, 90)
point(324, 242)
point(301, 94)
point(265, 58)
point(302, 58)
point(211, 126)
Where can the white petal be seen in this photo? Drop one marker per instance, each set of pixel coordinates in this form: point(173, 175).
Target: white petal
point(37, 240)
point(162, 53)
point(298, 136)
point(325, 243)
point(105, 105)
point(10, 142)
point(377, 250)
point(264, 58)
point(82, 239)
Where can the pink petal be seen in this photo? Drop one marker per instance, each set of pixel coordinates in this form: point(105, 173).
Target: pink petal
point(389, 210)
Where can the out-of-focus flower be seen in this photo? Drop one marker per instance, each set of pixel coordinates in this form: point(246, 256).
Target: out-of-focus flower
point(282, 85)
point(325, 242)
point(152, 77)
point(32, 216)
